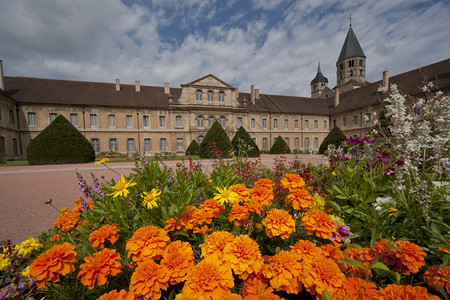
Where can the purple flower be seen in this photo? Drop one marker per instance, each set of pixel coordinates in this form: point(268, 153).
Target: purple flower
point(343, 231)
point(384, 157)
point(145, 161)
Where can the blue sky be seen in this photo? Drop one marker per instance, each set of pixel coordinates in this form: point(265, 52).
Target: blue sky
point(273, 44)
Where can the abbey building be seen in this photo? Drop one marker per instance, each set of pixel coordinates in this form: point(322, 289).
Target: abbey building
point(150, 119)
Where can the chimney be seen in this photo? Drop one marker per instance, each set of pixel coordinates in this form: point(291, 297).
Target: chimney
point(166, 88)
point(117, 84)
point(336, 97)
point(252, 95)
point(2, 80)
point(257, 94)
point(236, 92)
point(386, 80)
point(138, 85)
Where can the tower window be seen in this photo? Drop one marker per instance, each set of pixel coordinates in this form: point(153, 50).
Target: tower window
point(361, 63)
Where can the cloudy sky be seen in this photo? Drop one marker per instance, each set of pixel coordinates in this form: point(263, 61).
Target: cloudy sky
point(274, 44)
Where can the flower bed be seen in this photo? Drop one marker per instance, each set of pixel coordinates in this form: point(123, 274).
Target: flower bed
point(370, 225)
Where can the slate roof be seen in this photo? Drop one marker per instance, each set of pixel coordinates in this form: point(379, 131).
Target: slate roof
point(351, 47)
point(319, 77)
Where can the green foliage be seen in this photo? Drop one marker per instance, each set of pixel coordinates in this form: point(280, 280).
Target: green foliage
point(334, 137)
point(244, 145)
point(216, 143)
point(60, 143)
point(193, 149)
point(280, 146)
point(2, 160)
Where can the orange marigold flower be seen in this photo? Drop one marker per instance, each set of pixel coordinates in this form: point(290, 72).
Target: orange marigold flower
point(188, 220)
point(254, 206)
point(171, 225)
point(278, 222)
point(213, 206)
point(242, 191)
point(77, 201)
point(359, 255)
point(149, 279)
point(209, 279)
point(356, 289)
point(333, 252)
point(115, 295)
point(446, 250)
point(239, 214)
point(300, 199)
point(54, 238)
point(58, 260)
point(261, 195)
point(406, 258)
point(203, 230)
point(147, 243)
point(265, 182)
point(179, 259)
point(321, 274)
point(67, 220)
point(305, 250)
point(320, 223)
point(259, 291)
point(106, 232)
point(215, 243)
point(243, 256)
point(283, 271)
point(395, 292)
point(98, 266)
point(292, 182)
point(433, 276)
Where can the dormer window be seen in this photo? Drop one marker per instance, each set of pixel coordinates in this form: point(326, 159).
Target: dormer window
point(210, 97)
point(199, 97)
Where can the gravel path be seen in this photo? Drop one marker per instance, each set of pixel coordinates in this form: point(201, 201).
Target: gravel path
point(24, 189)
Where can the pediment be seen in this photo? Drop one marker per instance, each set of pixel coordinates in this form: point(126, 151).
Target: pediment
point(209, 81)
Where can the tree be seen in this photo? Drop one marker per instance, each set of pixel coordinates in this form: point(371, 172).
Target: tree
point(60, 143)
point(280, 146)
point(193, 149)
point(244, 145)
point(334, 137)
point(216, 143)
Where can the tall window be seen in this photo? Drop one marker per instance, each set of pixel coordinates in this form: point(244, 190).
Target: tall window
point(146, 121)
point(306, 143)
point(11, 116)
point(221, 98)
point(147, 145)
point(93, 120)
point(2, 145)
point(199, 97)
point(129, 121)
point(296, 143)
point(367, 118)
point(15, 149)
point(96, 145)
point(178, 123)
point(252, 123)
point(52, 116)
point(240, 122)
point(113, 145)
point(210, 97)
point(222, 121)
point(211, 121)
point(265, 143)
point(200, 139)
point(180, 145)
point(32, 121)
point(344, 122)
point(264, 123)
point(324, 124)
point(334, 123)
point(112, 121)
point(162, 122)
point(74, 119)
point(163, 145)
point(316, 143)
point(275, 123)
point(200, 122)
point(355, 120)
point(306, 124)
point(286, 139)
point(296, 124)
point(130, 145)
point(316, 124)
point(286, 124)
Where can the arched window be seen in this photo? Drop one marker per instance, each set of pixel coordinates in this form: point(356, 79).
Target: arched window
point(306, 143)
point(210, 97)
point(222, 121)
point(199, 97)
point(316, 143)
point(200, 123)
point(211, 121)
point(221, 98)
point(200, 139)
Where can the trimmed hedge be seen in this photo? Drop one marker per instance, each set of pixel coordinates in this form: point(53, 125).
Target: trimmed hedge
point(60, 143)
point(216, 139)
point(243, 144)
point(280, 146)
point(193, 149)
point(334, 137)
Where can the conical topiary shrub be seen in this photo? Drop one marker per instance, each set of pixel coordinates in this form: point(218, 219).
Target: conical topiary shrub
point(280, 146)
point(193, 149)
point(244, 145)
point(60, 143)
point(216, 143)
point(335, 137)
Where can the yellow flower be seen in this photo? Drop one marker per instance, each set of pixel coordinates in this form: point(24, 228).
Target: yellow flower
point(121, 187)
point(102, 161)
point(226, 195)
point(339, 219)
point(4, 262)
point(26, 247)
point(392, 211)
point(26, 272)
point(319, 203)
point(151, 198)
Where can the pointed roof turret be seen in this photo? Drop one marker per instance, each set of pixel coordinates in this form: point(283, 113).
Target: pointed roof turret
point(319, 77)
point(351, 47)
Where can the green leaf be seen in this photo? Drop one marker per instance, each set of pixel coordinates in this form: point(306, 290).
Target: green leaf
point(445, 262)
point(352, 262)
point(380, 265)
point(326, 295)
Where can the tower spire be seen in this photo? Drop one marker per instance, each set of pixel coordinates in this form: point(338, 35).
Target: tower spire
point(350, 18)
